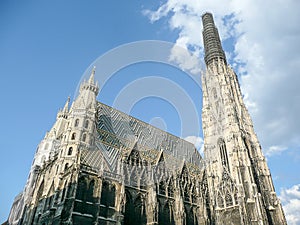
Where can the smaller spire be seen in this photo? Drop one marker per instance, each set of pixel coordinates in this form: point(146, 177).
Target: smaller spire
point(66, 107)
point(90, 85)
point(92, 77)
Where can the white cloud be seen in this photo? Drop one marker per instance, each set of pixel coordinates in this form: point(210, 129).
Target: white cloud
point(266, 53)
point(185, 59)
point(290, 199)
point(275, 150)
point(197, 141)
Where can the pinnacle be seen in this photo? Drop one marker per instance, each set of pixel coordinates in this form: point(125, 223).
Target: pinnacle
point(66, 107)
point(92, 76)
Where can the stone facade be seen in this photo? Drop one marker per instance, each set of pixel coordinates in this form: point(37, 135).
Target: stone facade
point(98, 165)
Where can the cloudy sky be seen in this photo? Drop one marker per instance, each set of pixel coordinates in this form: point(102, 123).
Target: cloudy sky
point(46, 48)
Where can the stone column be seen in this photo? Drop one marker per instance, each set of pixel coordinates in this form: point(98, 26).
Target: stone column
point(151, 206)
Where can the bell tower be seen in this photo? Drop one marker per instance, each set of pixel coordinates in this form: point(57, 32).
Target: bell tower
point(239, 181)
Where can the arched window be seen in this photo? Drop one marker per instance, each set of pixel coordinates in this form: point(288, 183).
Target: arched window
point(165, 214)
point(66, 166)
point(84, 137)
point(76, 123)
point(70, 151)
point(92, 141)
point(223, 153)
point(190, 218)
point(90, 191)
point(108, 194)
point(73, 136)
point(135, 211)
point(86, 124)
point(81, 189)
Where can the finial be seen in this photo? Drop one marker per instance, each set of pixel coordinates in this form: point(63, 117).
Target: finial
point(92, 77)
point(66, 107)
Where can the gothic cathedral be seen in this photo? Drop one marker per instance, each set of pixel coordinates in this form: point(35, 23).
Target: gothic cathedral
point(98, 165)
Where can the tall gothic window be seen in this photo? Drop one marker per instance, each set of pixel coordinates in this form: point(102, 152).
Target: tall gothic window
point(223, 153)
point(84, 137)
point(108, 194)
point(70, 151)
point(81, 189)
point(76, 122)
point(165, 214)
point(66, 166)
point(86, 124)
point(190, 218)
point(107, 201)
point(90, 191)
point(73, 136)
point(135, 210)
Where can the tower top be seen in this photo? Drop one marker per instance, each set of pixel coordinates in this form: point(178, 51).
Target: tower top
point(212, 43)
point(91, 84)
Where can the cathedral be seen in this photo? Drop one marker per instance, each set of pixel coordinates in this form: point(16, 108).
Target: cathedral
point(100, 166)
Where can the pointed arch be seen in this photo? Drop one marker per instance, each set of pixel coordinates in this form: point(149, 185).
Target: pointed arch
point(86, 124)
point(73, 136)
point(90, 191)
point(190, 218)
point(108, 194)
point(66, 167)
point(70, 151)
point(223, 153)
point(140, 210)
point(135, 210)
point(83, 137)
point(81, 189)
point(76, 123)
point(165, 213)
point(227, 192)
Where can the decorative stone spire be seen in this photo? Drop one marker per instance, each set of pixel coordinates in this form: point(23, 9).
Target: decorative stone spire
point(212, 44)
point(90, 84)
point(66, 107)
point(64, 111)
point(92, 76)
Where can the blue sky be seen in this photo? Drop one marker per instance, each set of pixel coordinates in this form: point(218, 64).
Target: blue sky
point(46, 47)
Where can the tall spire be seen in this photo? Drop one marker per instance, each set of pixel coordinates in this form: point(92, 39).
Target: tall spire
point(212, 44)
